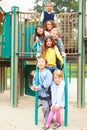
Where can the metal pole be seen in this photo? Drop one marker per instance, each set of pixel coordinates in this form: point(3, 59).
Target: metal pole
point(14, 58)
point(79, 52)
point(66, 95)
point(83, 57)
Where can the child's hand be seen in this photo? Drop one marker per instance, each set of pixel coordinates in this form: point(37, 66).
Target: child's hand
point(37, 39)
point(64, 55)
point(57, 107)
point(35, 88)
point(52, 107)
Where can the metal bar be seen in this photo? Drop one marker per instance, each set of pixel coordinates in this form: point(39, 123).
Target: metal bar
point(66, 95)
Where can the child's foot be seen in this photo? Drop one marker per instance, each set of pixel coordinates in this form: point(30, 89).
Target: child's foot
point(56, 126)
point(45, 128)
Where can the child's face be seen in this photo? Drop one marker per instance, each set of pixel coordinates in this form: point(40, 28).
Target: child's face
point(39, 30)
point(49, 7)
point(57, 79)
point(49, 26)
point(54, 34)
point(41, 63)
point(48, 42)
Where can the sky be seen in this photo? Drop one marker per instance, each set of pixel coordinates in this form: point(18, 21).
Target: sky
point(24, 5)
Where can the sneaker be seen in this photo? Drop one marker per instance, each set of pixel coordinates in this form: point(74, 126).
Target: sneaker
point(45, 128)
point(56, 126)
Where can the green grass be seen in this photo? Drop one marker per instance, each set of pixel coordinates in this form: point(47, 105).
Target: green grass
point(70, 72)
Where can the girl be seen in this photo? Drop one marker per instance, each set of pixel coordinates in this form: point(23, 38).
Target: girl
point(39, 36)
point(50, 52)
point(58, 101)
point(48, 26)
point(45, 81)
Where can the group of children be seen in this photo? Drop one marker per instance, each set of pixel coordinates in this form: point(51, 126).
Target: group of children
point(50, 50)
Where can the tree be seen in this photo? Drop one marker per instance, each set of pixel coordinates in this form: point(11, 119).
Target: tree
point(59, 5)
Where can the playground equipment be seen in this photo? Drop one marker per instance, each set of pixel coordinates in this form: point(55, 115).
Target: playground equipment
point(16, 50)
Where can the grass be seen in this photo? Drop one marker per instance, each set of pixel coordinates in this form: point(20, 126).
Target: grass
point(70, 72)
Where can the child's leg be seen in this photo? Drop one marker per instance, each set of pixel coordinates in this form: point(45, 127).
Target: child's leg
point(58, 116)
point(50, 117)
point(45, 109)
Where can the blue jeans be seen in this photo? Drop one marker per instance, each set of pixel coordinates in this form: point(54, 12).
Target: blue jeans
point(52, 68)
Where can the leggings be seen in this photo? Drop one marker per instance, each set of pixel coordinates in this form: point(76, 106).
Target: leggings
point(51, 115)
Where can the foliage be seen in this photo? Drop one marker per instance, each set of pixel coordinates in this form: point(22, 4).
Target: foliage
point(59, 6)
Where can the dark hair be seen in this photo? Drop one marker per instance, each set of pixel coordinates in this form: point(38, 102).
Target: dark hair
point(36, 34)
point(44, 47)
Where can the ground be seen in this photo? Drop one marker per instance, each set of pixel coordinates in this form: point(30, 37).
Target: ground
point(22, 117)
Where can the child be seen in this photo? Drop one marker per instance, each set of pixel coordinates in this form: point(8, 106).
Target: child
point(55, 34)
point(39, 35)
point(49, 25)
point(50, 52)
point(48, 14)
point(45, 80)
point(58, 101)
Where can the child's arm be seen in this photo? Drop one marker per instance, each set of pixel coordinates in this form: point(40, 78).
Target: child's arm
point(48, 79)
point(61, 47)
point(58, 54)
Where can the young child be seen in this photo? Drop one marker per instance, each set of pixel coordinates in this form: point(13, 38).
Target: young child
point(55, 34)
point(39, 36)
point(48, 14)
point(45, 80)
point(58, 101)
point(49, 25)
point(50, 52)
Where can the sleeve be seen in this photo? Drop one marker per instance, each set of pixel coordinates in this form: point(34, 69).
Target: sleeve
point(60, 46)
point(61, 94)
point(35, 44)
point(34, 81)
point(48, 79)
point(58, 54)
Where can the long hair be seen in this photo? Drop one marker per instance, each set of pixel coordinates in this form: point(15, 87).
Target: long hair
point(52, 22)
point(36, 34)
point(44, 47)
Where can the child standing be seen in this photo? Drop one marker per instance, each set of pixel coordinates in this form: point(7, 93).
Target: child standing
point(48, 14)
point(50, 52)
point(45, 81)
point(58, 99)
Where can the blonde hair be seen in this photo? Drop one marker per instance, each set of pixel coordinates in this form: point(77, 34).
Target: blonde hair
point(59, 32)
point(58, 73)
point(55, 29)
point(42, 58)
point(49, 2)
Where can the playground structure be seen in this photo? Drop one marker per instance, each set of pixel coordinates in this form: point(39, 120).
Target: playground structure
point(16, 38)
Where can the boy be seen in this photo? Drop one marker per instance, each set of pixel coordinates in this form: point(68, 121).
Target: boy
point(45, 80)
point(48, 14)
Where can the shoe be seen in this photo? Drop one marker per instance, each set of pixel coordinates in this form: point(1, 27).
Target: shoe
point(56, 126)
point(45, 128)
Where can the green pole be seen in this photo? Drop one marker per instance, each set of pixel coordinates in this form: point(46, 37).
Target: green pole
point(66, 95)
point(36, 97)
point(36, 94)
